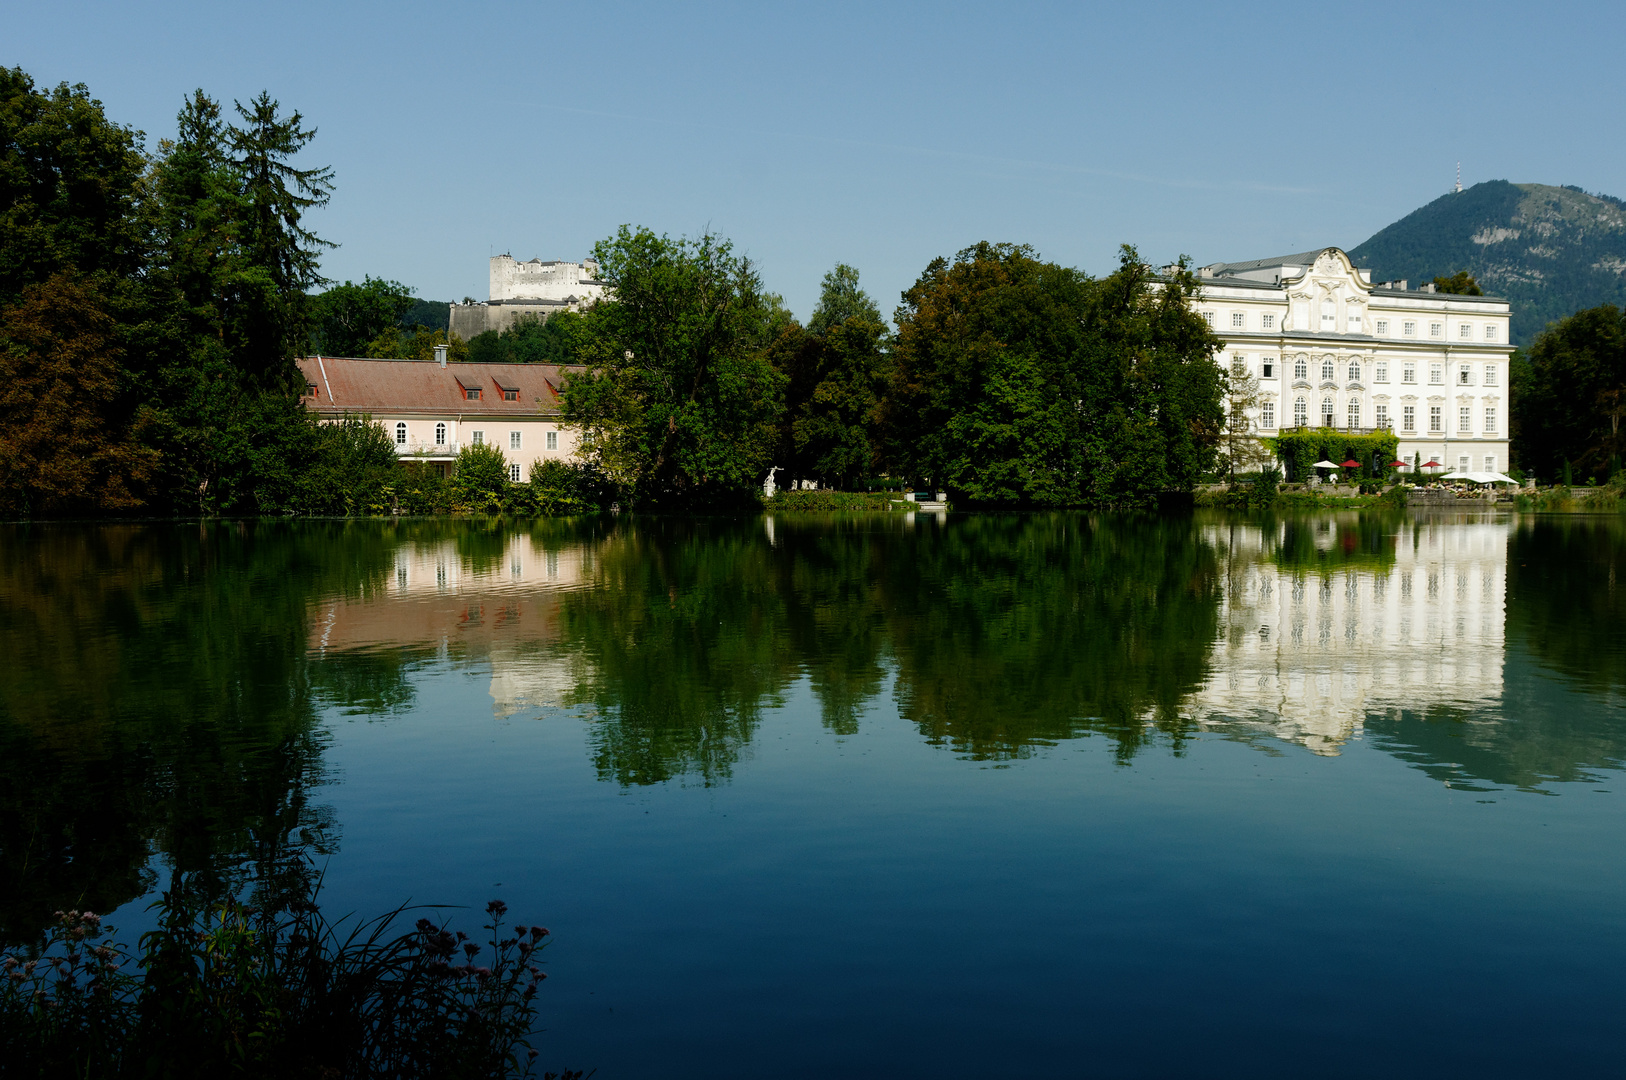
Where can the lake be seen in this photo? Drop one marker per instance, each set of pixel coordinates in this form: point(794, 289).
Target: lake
point(963, 795)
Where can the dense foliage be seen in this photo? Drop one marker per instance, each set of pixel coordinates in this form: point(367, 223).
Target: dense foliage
point(835, 374)
point(1569, 397)
point(679, 404)
point(1018, 382)
point(531, 340)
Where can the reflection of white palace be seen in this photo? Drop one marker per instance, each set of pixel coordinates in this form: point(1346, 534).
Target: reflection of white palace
point(1307, 653)
point(1331, 348)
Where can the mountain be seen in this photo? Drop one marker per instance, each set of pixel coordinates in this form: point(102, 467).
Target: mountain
point(1551, 251)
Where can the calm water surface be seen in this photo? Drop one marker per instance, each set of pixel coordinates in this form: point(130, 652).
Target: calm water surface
point(984, 796)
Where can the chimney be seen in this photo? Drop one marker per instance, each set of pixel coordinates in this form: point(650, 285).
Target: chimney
point(440, 355)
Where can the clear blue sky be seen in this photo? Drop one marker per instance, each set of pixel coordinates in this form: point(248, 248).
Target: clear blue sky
point(876, 134)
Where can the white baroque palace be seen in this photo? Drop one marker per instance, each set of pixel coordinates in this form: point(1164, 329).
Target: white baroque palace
point(1331, 348)
point(534, 288)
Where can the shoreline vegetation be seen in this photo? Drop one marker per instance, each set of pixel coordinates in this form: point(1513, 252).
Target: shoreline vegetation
point(269, 987)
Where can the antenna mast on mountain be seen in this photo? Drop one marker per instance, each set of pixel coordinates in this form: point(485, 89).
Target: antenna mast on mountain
point(1458, 189)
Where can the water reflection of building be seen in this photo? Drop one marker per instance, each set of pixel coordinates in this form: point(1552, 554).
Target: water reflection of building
point(1316, 638)
point(495, 601)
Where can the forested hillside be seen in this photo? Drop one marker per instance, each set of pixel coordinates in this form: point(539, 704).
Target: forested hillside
point(1551, 251)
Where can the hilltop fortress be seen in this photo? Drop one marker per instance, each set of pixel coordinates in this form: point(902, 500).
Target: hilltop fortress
point(534, 288)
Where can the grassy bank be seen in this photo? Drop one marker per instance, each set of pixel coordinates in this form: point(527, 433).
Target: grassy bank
point(836, 500)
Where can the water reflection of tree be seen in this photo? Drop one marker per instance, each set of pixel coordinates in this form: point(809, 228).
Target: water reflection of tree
point(158, 698)
point(1016, 631)
point(684, 646)
point(1005, 632)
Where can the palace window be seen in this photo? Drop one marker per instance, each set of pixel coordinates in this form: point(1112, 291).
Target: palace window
point(1490, 418)
point(1301, 412)
point(1381, 326)
point(1267, 322)
point(1327, 417)
point(553, 440)
point(1301, 369)
point(1383, 372)
point(1354, 414)
point(1408, 372)
point(1408, 418)
point(1408, 328)
point(1436, 329)
point(440, 434)
point(1383, 416)
point(1238, 320)
point(1436, 421)
point(1465, 426)
point(479, 438)
point(400, 434)
point(1465, 331)
point(1490, 332)
point(471, 393)
point(1490, 374)
point(1326, 370)
point(1436, 374)
point(513, 473)
point(1354, 371)
point(1267, 414)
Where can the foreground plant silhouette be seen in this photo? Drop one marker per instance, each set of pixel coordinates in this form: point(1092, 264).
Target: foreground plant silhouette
point(223, 988)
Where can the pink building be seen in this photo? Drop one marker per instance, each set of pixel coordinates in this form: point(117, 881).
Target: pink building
point(431, 410)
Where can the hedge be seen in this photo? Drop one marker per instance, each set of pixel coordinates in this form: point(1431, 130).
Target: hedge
point(1298, 451)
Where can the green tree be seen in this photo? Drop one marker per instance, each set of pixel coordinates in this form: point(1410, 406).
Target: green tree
point(1460, 283)
point(835, 377)
point(984, 383)
point(1567, 394)
point(349, 317)
point(482, 476)
point(69, 187)
point(1019, 382)
point(1153, 399)
point(678, 404)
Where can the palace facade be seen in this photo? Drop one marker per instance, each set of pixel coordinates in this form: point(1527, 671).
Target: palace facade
point(1332, 348)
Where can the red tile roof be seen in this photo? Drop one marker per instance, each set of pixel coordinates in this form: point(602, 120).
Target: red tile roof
point(422, 386)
